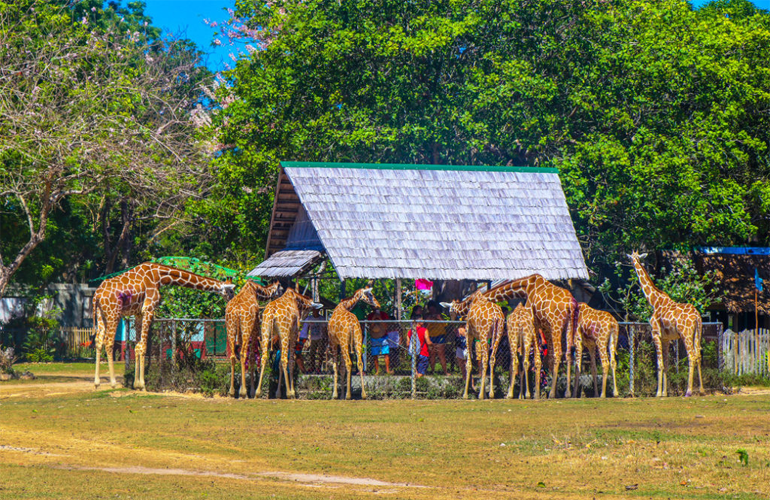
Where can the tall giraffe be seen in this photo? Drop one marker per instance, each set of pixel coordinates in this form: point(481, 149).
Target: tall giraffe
point(598, 330)
point(520, 326)
point(555, 312)
point(485, 321)
point(670, 321)
point(343, 329)
point(282, 317)
point(242, 319)
point(137, 293)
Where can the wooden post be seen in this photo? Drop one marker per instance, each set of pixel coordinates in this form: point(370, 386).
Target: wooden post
point(127, 351)
point(398, 299)
point(756, 322)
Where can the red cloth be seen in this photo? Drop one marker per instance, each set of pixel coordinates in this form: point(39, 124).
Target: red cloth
point(421, 333)
point(423, 284)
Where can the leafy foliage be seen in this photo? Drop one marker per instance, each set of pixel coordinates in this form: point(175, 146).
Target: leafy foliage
point(681, 282)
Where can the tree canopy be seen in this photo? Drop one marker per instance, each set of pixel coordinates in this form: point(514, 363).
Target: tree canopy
point(655, 114)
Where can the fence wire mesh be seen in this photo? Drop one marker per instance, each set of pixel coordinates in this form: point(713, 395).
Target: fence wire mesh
point(385, 352)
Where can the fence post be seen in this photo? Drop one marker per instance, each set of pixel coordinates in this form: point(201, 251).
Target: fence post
point(677, 355)
point(173, 345)
point(720, 353)
point(126, 351)
point(414, 349)
point(631, 360)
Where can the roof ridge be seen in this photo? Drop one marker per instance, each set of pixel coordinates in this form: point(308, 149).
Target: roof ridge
point(414, 166)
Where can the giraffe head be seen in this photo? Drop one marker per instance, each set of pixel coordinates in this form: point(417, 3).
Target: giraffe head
point(274, 289)
point(367, 296)
point(635, 256)
point(227, 290)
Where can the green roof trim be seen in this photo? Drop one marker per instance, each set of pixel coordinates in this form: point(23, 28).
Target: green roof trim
point(407, 166)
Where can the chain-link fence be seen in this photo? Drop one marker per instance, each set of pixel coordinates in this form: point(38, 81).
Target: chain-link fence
point(385, 351)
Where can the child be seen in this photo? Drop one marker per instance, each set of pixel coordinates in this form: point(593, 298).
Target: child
point(461, 350)
point(424, 340)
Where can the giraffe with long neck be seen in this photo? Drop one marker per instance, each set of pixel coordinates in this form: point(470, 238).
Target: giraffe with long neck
point(345, 329)
point(242, 320)
point(281, 317)
point(555, 312)
point(598, 330)
point(485, 321)
point(671, 321)
point(136, 293)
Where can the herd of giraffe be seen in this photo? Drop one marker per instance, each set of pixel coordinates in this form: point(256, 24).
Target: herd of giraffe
point(549, 309)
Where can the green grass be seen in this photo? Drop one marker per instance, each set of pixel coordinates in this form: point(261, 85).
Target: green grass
point(671, 448)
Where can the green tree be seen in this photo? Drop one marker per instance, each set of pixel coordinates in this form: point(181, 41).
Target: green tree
point(94, 113)
point(655, 114)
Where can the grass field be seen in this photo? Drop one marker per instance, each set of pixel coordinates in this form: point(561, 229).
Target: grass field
point(60, 439)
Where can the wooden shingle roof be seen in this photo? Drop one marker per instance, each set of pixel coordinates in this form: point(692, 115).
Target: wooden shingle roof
point(427, 221)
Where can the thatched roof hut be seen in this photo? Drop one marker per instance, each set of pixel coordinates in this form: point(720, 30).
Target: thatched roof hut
point(421, 221)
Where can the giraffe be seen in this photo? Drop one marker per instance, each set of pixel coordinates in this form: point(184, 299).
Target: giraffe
point(345, 329)
point(242, 320)
point(282, 317)
point(670, 321)
point(555, 311)
point(520, 326)
point(136, 293)
point(597, 330)
point(484, 321)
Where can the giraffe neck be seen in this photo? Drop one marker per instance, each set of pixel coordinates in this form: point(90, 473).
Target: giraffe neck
point(654, 296)
point(462, 308)
point(304, 304)
point(521, 288)
point(351, 302)
point(263, 292)
point(186, 279)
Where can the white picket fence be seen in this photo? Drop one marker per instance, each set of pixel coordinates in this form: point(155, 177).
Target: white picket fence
point(746, 352)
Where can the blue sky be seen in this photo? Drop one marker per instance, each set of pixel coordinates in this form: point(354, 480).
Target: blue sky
point(186, 17)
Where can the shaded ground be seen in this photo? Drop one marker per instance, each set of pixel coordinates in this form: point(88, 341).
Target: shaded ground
point(62, 439)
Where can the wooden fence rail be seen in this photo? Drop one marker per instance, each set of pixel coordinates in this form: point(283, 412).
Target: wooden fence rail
point(75, 337)
point(746, 351)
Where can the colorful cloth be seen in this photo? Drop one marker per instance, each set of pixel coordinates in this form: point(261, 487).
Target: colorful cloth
point(421, 333)
point(379, 346)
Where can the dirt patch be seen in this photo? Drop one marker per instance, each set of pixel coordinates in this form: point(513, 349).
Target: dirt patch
point(305, 479)
point(319, 478)
point(33, 451)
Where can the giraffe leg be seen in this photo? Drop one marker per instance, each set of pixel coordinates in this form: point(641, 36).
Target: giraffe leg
point(495, 343)
point(484, 367)
point(659, 353)
point(100, 334)
point(605, 367)
point(524, 383)
point(666, 365)
point(578, 362)
point(110, 360)
point(469, 362)
point(264, 352)
point(231, 326)
point(513, 341)
point(148, 312)
point(568, 361)
point(345, 347)
point(335, 356)
point(358, 339)
point(245, 328)
point(285, 369)
point(556, 361)
point(613, 346)
point(692, 363)
point(538, 367)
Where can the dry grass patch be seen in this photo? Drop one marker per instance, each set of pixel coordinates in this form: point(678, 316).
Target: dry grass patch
point(673, 448)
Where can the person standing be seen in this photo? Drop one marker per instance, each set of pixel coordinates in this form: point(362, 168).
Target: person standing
point(437, 333)
point(378, 339)
point(423, 338)
point(315, 326)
